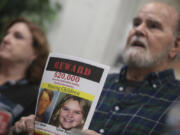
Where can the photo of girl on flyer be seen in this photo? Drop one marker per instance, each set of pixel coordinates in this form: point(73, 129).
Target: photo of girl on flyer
point(70, 113)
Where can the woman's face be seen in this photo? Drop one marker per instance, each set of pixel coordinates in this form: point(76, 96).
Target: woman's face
point(71, 114)
point(16, 45)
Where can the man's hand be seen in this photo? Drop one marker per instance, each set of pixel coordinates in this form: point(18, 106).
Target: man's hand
point(90, 132)
point(25, 124)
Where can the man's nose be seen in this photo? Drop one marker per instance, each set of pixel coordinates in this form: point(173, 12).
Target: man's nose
point(140, 30)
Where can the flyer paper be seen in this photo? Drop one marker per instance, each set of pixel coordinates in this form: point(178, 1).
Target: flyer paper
point(68, 94)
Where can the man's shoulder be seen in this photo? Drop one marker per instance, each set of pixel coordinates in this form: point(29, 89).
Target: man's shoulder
point(112, 76)
point(176, 83)
point(111, 79)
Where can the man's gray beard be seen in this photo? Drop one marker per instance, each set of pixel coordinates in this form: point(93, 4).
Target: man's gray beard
point(135, 58)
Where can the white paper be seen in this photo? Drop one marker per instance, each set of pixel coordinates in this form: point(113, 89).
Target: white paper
point(67, 76)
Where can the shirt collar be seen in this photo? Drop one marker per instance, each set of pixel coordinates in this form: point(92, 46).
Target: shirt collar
point(160, 76)
point(22, 81)
point(13, 82)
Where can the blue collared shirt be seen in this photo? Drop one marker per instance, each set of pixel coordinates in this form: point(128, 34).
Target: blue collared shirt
point(141, 111)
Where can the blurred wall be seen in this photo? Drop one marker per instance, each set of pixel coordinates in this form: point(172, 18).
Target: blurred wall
point(94, 29)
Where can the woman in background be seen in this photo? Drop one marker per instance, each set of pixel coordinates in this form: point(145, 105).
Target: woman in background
point(23, 53)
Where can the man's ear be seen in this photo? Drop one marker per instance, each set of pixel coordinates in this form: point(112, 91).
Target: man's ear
point(176, 48)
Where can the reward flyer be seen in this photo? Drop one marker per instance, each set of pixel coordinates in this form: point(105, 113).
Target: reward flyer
point(68, 94)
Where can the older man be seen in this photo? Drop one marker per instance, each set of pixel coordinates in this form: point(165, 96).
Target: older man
point(136, 101)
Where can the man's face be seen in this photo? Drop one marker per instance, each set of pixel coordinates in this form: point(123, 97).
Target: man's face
point(151, 38)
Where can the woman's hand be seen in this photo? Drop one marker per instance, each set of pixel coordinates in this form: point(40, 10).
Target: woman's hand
point(25, 124)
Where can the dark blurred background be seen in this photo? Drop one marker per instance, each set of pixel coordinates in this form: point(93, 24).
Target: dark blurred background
point(42, 12)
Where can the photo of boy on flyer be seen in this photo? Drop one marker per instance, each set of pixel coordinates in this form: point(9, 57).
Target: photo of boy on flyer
point(45, 100)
